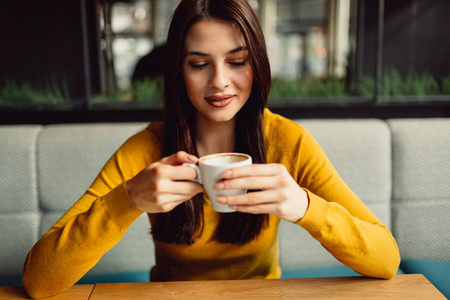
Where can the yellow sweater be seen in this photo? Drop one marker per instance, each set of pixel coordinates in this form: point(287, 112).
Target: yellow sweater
point(96, 222)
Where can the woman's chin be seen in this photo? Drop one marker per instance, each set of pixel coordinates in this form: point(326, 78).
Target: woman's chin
point(220, 118)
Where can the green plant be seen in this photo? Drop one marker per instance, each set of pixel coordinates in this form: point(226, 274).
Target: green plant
point(149, 89)
point(307, 87)
point(14, 93)
point(365, 87)
point(393, 85)
point(421, 85)
point(445, 85)
point(113, 96)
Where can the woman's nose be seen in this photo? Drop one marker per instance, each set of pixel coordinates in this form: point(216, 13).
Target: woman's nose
point(219, 79)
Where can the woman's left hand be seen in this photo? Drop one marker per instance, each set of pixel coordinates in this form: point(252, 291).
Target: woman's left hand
point(276, 191)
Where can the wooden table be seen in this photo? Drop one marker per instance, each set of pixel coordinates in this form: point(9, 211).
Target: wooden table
point(410, 286)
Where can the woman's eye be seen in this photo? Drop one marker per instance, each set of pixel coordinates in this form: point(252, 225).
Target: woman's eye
point(198, 66)
point(238, 63)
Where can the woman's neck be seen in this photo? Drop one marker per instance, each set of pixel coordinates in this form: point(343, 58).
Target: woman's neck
point(212, 137)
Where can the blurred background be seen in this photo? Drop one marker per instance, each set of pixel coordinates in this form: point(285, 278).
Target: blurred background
point(101, 60)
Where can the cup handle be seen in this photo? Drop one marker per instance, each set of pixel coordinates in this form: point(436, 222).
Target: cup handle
point(197, 169)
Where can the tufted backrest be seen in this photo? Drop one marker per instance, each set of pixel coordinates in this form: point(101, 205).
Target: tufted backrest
point(421, 192)
point(19, 207)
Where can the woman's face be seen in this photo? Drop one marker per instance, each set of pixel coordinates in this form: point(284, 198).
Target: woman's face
point(216, 70)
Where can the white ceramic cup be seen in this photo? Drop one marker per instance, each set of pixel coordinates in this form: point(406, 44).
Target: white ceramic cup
point(209, 169)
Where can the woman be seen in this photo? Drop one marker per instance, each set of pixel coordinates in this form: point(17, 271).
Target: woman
point(217, 80)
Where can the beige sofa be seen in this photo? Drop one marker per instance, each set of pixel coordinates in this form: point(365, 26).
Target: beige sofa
point(399, 167)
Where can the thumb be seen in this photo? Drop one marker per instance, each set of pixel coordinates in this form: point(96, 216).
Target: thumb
point(179, 158)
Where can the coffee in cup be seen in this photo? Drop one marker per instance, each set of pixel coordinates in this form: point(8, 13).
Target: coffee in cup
point(209, 169)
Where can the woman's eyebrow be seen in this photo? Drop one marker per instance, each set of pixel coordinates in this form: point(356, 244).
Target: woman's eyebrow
point(198, 53)
point(238, 49)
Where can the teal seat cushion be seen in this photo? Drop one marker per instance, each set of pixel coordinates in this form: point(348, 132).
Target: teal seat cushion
point(135, 276)
point(437, 272)
point(11, 282)
point(323, 272)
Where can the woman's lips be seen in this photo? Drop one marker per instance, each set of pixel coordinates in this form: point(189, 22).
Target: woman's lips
point(219, 100)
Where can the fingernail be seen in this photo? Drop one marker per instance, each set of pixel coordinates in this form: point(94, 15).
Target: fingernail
point(227, 173)
point(233, 207)
point(192, 158)
point(221, 200)
point(219, 186)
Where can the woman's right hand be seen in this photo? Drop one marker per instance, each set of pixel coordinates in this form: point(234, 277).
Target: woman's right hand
point(163, 185)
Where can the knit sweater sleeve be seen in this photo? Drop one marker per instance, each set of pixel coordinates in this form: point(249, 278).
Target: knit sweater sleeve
point(336, 217)
point(91, 227)
point(339, 220)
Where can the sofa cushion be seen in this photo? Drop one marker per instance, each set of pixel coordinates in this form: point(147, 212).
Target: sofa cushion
point(421, 191)
point(71, 156)
point(19, 232)
point(19, 216)
point(421, 196)
point(360, 150)
point(337, 271)
point(120, 277)
point(421, 148)
point(18, 185)
point(319, 272)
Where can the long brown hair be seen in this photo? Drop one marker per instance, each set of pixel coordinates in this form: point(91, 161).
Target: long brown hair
point(185, 221)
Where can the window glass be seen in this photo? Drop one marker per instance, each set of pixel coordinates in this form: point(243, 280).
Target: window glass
point(322, 52)
point(309, 46)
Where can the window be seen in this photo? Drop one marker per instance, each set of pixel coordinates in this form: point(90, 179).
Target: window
point(323, 53)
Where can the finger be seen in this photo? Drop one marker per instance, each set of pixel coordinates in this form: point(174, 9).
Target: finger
point(184, 188)
point(269, 208)
point(252, 198)
point(250, 183)
point(254, 170)
point(289, 211)
point(178, 172)
point(179, 158)
point(184, 173)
